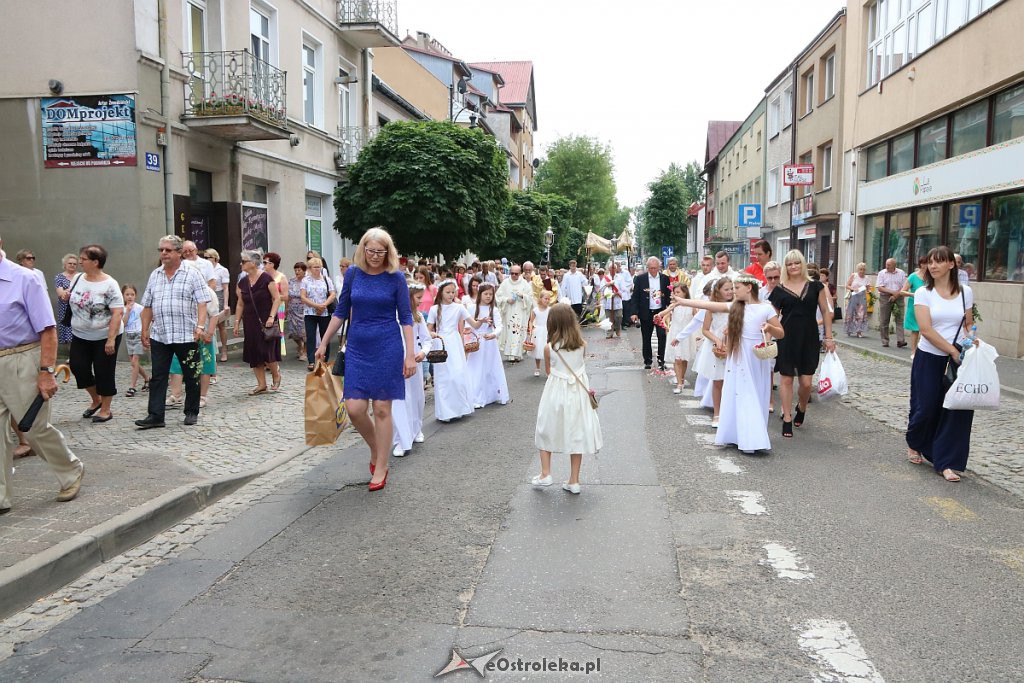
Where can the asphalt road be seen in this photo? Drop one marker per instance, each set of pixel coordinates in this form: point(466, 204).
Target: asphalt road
point(829, 559)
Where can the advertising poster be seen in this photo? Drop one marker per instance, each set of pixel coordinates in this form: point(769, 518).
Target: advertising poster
point(84, 132)
point(254, 229)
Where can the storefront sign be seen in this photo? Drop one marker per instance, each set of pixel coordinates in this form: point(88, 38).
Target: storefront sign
point(81, 132)
point(798, 174)
point(807, 232)
point(801, 209)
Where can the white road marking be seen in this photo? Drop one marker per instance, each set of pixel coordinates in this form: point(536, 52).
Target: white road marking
point(786, 563)
point(835, 647)
point(750, 501)
point(689, 403)
point(707, 440)
point(725, 465)
point(698, 420)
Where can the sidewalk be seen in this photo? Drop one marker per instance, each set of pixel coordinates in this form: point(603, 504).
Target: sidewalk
point(139, 482)
point(1011, 370)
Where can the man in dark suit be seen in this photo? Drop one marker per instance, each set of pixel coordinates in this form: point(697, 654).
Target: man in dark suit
point(651, 295)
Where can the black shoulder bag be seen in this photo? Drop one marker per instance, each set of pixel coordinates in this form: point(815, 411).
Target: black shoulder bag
point(339, 362)
point(65, 319)
point(952, 367)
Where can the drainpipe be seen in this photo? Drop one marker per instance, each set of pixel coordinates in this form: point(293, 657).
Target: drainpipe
point(367, 79)
point(792, 153)
point(165, 109)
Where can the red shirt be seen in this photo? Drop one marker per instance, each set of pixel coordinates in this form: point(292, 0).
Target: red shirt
point(757, 271)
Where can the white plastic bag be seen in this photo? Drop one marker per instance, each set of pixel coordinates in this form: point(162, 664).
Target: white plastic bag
point(831, 378)
point(977, 382)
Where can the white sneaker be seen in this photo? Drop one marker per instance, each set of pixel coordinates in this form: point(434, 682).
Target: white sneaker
point(541, 481)
point(714, 423)
point(571, 488)
point(419, 438)
point(398, 452)
point(536, 373)
point(677, 390)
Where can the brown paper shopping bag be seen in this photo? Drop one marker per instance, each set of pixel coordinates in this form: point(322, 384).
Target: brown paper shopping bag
point(325, 413)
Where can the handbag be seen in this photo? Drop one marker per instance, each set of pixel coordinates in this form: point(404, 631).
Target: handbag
point(339, 362)
point(438, 355)
point(65, 319)
point(271, 333)
point(590, 394)
point(952, 367)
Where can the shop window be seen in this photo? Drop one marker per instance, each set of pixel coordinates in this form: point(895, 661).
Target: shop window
point(877, 161)
point(200, 186)
point(1009, 115)
point(873, 245)
point(255, 231)
point(898, 246)
point(970, 128)
point(902, 156)
point(931, 142)
point(963, 232)
point(927, 231)
point(1004, 238)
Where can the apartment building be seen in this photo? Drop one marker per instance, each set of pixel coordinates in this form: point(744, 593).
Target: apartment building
point(518, 96)
point(220, 121)
point(719, 132)
point(934, 127)
point(778, 153)
point(740, 181)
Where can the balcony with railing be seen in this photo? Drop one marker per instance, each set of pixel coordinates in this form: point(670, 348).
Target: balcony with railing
point(369, 23)
point(235, 96)
point(353, 139)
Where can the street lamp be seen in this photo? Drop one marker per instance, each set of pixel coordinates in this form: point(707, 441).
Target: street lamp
point(549, 239)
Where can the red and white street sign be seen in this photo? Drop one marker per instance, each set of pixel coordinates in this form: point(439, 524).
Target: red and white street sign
point(798, 174)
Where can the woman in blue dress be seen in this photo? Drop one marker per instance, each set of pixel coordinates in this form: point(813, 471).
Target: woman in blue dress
point(375, 299)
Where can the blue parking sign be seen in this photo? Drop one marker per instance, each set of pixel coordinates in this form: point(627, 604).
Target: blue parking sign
point(750, 216)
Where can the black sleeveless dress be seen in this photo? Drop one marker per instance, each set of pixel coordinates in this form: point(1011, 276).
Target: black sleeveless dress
point(799, 349)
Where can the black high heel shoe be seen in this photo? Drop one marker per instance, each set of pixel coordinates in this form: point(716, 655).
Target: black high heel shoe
point(798, 418)
point(787, 428)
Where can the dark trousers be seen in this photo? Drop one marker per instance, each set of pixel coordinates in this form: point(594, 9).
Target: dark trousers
point(92, 366)
point(942, 436)
point(314, 323)
point(646, 327)
point(578, 308)
point(627, 312)
point(190, 361)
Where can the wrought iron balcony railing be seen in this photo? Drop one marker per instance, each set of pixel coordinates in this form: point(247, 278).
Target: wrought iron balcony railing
point(234, 83)
point(383, 12)
point(353, 139)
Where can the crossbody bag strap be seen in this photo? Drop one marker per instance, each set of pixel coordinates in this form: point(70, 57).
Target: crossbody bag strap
point(253, 301)
point(571, 371)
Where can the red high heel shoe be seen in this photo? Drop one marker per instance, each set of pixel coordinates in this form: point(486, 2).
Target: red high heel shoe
point(382, 484)
point(372, 468)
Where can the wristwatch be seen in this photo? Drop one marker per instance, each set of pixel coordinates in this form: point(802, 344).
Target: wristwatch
point(47, 368)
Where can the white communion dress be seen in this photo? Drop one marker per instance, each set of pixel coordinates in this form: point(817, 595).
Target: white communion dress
point(485, 368)
point(540, 331)
point(453, 387)
point(746, 392)
point(407, 414)
point(566, 423)
point(709, 367)
point(686, 349)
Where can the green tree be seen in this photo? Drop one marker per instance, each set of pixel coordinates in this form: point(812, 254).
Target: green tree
point(524, 223)
point(664, 220)
point(580, 169)
point(695, 186)
point(617, 222)
point(436, 187)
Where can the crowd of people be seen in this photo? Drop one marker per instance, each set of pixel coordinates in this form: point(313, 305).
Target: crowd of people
point(404, 325)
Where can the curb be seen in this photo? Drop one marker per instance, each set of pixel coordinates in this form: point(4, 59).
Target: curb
point(43, 573)
point(905, 361)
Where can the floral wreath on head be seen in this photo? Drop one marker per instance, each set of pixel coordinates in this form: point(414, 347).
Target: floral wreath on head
point(746, 279)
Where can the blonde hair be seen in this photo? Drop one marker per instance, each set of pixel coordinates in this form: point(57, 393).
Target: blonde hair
point(381, 235)
point(212, 253)
point(772, 265)
point(794, 255)
point(564, 328)
point(314, 262)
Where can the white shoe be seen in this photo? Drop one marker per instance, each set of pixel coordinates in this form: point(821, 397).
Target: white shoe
point(419, 438)
point(714, 423)
point(536, 373)
point(478, 406)
point(571, 488)
point(677, 390)
point(541, 481)
point(398, 452)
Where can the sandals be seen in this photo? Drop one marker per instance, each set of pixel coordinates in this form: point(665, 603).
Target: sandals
point(914, 458)
point(309, 367)
point(131, 392)
point(145, 385)
point(787, 428)
point(798, 417)
point(257, 391)
point(950, 475)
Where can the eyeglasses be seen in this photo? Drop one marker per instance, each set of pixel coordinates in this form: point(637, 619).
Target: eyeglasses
point(772, 277)
point(379, 253)
point(167, 249)
point(28, 258)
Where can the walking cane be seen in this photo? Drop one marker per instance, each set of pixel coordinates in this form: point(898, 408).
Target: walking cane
point(33, 410)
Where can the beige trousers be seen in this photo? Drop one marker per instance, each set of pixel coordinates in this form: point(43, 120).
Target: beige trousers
point(18, 375)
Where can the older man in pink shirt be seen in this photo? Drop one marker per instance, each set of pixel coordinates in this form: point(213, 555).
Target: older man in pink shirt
point(28, 352)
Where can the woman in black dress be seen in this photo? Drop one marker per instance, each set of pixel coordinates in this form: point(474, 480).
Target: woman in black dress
point(797, 299)
point(258, 300)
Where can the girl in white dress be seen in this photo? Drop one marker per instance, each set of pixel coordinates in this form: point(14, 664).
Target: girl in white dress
point(708, 364)
point(748, 379)
point(683, 347)
point(407, 414)
point(469, 300)
point(485, 368)
point(453, 394)
point(537, 329)
point(566, 421)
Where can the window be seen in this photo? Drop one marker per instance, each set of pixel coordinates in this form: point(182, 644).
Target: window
point(898, 246)
point(254, 217)
point(774, 117)
point(1009, 115)
point(830, 76)
point(825, 166)
point(931, 142)
point(808, 85)
point(758, 139)
point(773, 187)
point(344, 101)
point(200, 186)
point(970, 127)
point(309, 84)
point(805, 159)
point(196, 25)
point(875, 226)
point(927, 231)
point(902, 156)
point(1004, 257)
point(877, 161)
point(963, 233)
point(259, 30)
point(787, 108)
point(314, 223)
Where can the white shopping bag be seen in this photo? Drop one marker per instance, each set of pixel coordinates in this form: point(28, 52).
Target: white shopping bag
point(831, 378)
point(977, 382)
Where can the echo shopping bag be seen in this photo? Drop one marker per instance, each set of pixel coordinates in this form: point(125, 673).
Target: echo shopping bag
point(831, 377)
point(977, 382)
point(324, 411)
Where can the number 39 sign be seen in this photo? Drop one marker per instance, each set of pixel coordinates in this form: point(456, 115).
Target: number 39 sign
point(798, 174)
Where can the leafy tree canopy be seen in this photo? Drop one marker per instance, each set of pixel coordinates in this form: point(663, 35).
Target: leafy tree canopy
point(580, 168)
point(437, 188)
point(664, 221)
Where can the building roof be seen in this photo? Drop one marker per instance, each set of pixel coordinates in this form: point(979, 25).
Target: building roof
point(719, 133)
point(518, 77)
point(694, 209)
point(461, 65)
point(386, 91)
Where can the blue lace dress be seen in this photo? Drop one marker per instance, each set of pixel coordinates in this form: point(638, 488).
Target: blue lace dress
point(374, 355)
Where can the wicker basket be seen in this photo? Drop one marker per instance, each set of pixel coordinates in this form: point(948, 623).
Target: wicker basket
point(767, 350)
point(720, 354)
point(438, 355)
point(529, 345)
point(471, 346)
